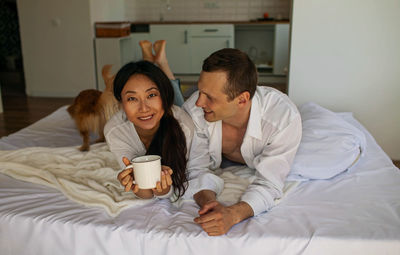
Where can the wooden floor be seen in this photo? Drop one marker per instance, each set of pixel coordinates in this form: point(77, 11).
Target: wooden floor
point(19, 111)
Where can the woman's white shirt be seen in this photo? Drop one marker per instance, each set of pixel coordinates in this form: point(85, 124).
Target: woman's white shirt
point(124, 141)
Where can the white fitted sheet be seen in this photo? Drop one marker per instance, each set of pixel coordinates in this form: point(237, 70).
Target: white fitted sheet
point(357, 212)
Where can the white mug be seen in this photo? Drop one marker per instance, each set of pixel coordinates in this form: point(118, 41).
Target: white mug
point(146, 170)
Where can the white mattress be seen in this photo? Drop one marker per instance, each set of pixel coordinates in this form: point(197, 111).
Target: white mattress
point(357, 212)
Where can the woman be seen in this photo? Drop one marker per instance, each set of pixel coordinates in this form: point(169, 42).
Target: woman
point(149, 123)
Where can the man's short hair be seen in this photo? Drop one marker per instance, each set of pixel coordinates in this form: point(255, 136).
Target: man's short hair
point(241, 71)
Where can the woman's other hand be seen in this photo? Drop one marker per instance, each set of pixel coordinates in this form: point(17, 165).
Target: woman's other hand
point(125, 177)
point(163, 186)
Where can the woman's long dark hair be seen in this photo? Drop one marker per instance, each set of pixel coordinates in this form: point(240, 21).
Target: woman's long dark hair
point(169, 141)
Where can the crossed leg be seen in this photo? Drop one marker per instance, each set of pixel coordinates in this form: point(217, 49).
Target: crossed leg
point(147, 51)
point(160, 57)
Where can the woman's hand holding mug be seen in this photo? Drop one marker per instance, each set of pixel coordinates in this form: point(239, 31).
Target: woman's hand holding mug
point(162, 181)
point(163, 186)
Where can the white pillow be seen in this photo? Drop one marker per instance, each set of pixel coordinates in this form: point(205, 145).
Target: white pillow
point(329, 145)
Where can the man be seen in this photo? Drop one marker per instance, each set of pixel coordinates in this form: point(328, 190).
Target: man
point(240, 123)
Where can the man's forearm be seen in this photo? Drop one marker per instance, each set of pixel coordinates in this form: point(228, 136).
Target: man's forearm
point(240, 211)
point(204, 196)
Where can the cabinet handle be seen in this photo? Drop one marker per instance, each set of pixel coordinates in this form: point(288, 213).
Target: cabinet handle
point(210, 30)
point(186, 37)
point(228, 44)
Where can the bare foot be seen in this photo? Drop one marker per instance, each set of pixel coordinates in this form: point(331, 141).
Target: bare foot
point(147, 51)
point(159, 49)
point(107, 76)
point(161, 58)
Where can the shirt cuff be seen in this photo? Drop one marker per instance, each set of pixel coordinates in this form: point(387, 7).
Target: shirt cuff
point(257, 203)
point(207, 181)
point(211, 182)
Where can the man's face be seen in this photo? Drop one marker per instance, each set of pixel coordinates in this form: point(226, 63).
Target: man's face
point(212, 98)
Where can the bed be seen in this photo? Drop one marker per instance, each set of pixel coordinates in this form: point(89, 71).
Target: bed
point(354, 212)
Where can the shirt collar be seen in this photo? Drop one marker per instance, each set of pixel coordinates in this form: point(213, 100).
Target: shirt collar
point(254, 125)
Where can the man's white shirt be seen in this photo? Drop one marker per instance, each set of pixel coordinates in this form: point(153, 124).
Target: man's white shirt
point(270, 143)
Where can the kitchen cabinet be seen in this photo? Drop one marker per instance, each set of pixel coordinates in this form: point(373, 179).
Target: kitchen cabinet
point(178, 47)
point(188, 44)
point(206, 39)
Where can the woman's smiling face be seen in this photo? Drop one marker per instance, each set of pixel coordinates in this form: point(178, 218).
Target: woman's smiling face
point(142, 103)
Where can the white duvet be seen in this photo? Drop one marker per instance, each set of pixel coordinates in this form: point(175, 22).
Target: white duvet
point(355, 212)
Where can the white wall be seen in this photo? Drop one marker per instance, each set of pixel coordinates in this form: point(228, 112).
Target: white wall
point(204, 10)
point(57, 47)
point(57, 39)
point(107, 10)
point(345, 56)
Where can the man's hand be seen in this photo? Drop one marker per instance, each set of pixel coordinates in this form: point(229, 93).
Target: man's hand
point(217, 219)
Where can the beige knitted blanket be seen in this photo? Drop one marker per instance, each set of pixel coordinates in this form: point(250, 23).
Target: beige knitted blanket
point(90, 178)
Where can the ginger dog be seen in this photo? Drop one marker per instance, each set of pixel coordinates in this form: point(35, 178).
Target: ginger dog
point(92, 109)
